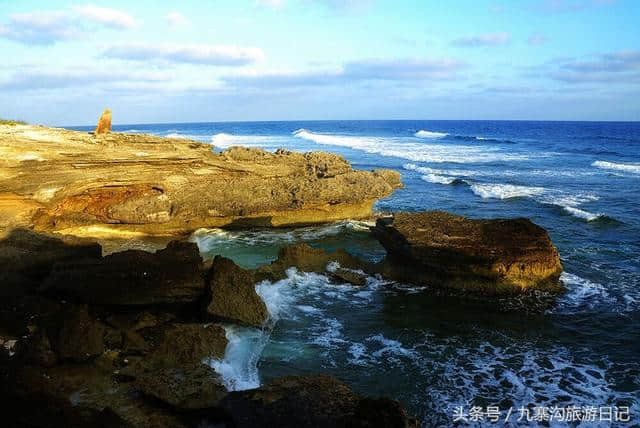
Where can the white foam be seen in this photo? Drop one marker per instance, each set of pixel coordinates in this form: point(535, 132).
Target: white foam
point(438, 179)
point(586, 215)
point(176, 135)
point(413, 150)
point(505, 191)
point(224, 140)
point(430, 134)
point(582, 293)
point(239, 367)
point(390, 347)
point(626, 167)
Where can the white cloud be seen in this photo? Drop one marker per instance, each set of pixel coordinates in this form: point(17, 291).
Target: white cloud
point(49, 27)
point(176, 19)
point(106, 16)
point(187, 53)
point(404, 69)
point(487, 39)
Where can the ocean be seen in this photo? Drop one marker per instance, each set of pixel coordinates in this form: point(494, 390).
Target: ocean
point(437, 355)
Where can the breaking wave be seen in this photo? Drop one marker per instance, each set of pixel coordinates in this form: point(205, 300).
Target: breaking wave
point(416, 151)
point(625, 167)
point(430, 134)
point(505, 191)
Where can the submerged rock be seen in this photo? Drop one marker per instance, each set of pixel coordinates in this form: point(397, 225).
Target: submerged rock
point(311, 401)
point(501, 256)
point(136, 185)
point(132, 278)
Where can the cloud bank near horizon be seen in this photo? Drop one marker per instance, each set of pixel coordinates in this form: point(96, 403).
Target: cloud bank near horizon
point(293, 59)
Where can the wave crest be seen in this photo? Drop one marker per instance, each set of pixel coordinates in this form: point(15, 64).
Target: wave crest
point(625, 167)
point(430, 134)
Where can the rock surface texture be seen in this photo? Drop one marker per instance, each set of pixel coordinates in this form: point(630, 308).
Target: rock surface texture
point(104, 123)
point(131, 185)
point(501, 256)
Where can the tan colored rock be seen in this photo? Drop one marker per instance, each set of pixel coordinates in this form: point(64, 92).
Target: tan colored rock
point(104, 123)
point(498, 256)
point(130, 186)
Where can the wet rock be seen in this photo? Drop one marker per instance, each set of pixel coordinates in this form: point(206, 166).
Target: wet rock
point(104, 123)
point(349, 276)
point(233, 294)
point(501, 256)
point(180, 345)
point(185, 388)
point(132, 278)
point(308, 401)
point(308, 259)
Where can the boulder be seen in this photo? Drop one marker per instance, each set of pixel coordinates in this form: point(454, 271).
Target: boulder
point(232, 294)
point(186, 387)
point(310, 401)
point(104, 123)
point(500, 256)
point(132, 278)
point(183, 344)
point(308, 259)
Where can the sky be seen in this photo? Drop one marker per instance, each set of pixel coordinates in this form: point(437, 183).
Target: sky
point(252, 60)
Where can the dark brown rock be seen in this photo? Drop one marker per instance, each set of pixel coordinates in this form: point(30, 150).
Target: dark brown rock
point(233, 294)
point(187, 387)
point(26, 257)
point(350, 276)
point(132, 278)
point(501, 256)
point(307, 401)
point(76, 335)
point(179, 345)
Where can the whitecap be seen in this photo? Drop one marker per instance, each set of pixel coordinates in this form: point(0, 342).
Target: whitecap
point(430, 134)
point(586, 215)
point(626, 167)
point(438, 179)
point(505, 191)
point(416, 151)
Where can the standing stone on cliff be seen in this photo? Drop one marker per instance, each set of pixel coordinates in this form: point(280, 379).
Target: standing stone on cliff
point(499, 256)
point(104, 123)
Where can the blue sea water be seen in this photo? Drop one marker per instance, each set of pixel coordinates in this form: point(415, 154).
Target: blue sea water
point(579, 180)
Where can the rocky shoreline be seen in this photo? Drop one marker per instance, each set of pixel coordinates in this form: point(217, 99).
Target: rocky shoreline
point(96, 334)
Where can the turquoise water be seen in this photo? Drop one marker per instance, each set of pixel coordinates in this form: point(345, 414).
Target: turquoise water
point(581, 181)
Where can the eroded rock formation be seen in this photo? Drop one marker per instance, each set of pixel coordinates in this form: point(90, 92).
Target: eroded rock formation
point(104, 123)
point(501, 256)
point(60, 180)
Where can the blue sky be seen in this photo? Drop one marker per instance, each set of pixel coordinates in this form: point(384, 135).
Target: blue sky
point(64, 61)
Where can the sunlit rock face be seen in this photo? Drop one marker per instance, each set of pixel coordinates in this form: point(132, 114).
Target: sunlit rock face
point(132, 185)
point(498, 256)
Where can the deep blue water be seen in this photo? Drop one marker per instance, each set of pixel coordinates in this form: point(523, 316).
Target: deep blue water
point(579, 180)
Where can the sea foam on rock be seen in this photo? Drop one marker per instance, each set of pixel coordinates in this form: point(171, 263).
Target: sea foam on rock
point(500, 256)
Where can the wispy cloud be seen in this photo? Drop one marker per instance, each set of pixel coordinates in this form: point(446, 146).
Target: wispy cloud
point(487, 39)
point(75, 77)
point(537, 39)
point(106, 16)
point(187, 53)
point(356, 71)
point(614, 67)
point(176, 20)
point(49, 27)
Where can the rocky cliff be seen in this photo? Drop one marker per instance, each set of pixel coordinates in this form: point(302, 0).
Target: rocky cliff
point(132, 185)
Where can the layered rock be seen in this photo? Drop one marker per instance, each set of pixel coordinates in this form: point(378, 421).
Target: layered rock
point(501, 256)
point(59, 180)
